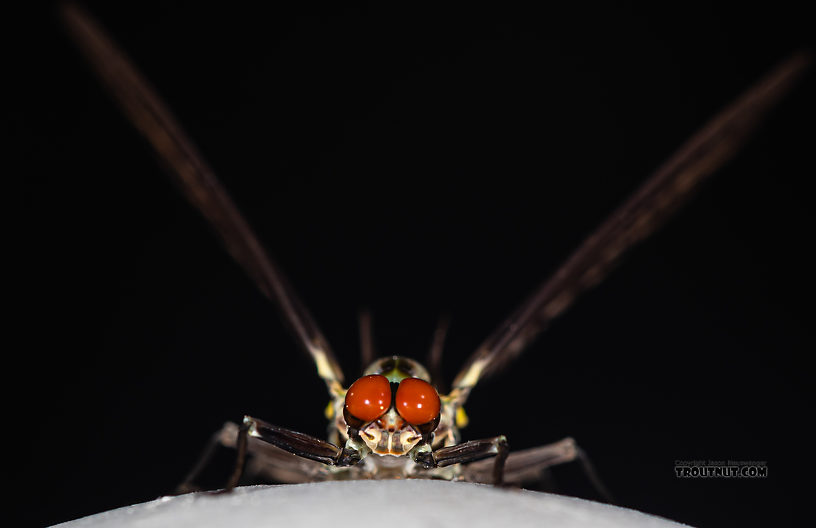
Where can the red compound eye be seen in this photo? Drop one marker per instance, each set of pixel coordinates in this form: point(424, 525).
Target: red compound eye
point(417, 402)
point(369, 397)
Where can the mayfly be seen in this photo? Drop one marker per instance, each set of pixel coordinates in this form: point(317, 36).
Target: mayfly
point(393, 422)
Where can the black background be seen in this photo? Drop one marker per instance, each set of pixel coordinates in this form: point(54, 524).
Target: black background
point(417, 160)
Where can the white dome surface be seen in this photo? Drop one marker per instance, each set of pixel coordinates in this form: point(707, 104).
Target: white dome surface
point(429, 503)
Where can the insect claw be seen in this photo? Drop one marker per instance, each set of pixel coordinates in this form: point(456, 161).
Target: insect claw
point(348, 457)
point(425, 459)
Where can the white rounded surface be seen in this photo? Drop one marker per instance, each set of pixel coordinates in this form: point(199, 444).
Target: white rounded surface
point(393, 502)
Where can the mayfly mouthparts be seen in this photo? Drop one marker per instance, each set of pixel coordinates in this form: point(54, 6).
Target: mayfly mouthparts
point(393, 422)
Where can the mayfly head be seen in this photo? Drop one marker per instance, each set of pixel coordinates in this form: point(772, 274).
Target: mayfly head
point(393, 406)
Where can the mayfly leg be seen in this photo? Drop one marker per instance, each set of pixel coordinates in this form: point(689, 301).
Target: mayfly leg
point(293, 443)
point(302, 445)
point(188, 484)
point(266, 461)
point(529, 466)
point(469, 452)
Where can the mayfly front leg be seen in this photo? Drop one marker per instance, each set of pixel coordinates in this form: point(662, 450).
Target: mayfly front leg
point(262, 459)
point(299, 444)
point(528, 466)
point(469, 452)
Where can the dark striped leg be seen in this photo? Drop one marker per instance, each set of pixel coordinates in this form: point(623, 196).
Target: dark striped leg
point(298, 444)
point(469, 452)
point(279, 454)
point(529, 465)
point(239, 441)
point(188, 485)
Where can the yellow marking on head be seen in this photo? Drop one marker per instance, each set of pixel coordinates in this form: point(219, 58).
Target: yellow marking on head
point(328, 412)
